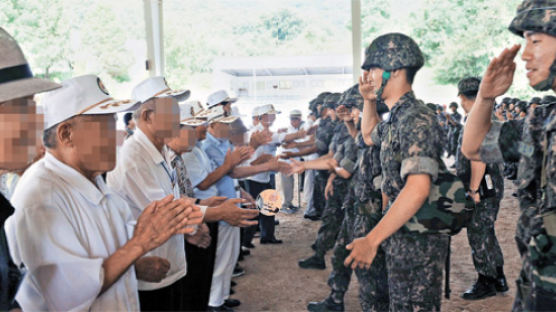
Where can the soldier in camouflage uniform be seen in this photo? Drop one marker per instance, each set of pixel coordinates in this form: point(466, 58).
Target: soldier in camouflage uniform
point(410, 155)
point(533, 144)
point(323, 138)
point(487, 192)
point(340, 154)
point(454, 129)
point(362, 211)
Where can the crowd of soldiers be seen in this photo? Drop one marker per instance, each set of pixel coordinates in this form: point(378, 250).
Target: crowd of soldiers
point(385, 198)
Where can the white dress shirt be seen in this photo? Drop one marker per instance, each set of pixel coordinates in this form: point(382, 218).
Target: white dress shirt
point(63, 229)
point(199, 167)
point(142, 176)
point(270, 148)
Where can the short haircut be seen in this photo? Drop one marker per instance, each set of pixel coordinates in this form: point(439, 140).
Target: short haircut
point(127, 118)
point(410, 73)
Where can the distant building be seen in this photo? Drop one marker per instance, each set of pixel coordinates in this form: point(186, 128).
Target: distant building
point(286, 82)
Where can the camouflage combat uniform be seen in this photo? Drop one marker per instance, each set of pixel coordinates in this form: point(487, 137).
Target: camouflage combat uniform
point(411, 144)
point(485, 250)
point(534, 145)
point(453, 133)
point(345, 152)
point(323, 136)
point(362, 211)
point(508, 141)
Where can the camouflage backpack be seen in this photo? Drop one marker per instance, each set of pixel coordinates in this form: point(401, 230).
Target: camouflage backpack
point(447, 209)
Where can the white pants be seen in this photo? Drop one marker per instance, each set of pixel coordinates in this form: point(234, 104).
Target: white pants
point(308, 187)
point(227, 252)
point(287, 189)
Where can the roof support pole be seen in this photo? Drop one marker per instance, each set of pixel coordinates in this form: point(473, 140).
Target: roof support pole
point(155, 37)
point(356, 38)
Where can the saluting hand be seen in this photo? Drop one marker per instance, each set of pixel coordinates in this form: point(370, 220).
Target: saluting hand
point(499, 75)
point(366, 89)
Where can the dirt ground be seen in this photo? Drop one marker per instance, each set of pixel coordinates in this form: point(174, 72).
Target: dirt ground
point(274, 282)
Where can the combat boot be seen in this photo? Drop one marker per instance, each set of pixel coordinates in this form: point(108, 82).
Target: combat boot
point(313, 262)
point(483, 288)
point(325, 306)
point(500, 283)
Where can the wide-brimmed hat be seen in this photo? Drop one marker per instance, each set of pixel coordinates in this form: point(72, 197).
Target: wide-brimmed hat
point(16, 78)
point(83, 95)
point(218, 97)
point(157, 87)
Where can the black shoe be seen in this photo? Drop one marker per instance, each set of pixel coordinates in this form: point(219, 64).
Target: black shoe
point(483, 288)
point(500, 284)
point(238, 271)
point(276, 222)
point(249, 245)
point(220, 308)
point(313, 262)
point(271, 241)
point(325, 305)
point(312, 218)
point(232, 303)
point(232, 292)
point(233, 284)
point(314, 247)
point(245, 252)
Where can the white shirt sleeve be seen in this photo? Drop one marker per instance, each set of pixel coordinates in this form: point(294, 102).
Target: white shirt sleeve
point(64, 262)
point(195, 169)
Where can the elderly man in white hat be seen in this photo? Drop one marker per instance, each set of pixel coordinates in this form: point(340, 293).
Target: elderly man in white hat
point(77, 239)
point(259, 182)
point(17, 139)
point(296, 124)
point(143, 175)
point(222, 98)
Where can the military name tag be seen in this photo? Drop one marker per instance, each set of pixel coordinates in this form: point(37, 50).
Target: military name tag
point(525, 149)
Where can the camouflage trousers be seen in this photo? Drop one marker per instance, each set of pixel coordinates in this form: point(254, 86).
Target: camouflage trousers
point(359, 220)
point(332, 218)
point(415, 263)
point(321, 177)
point(530, 294)
point(485, 250)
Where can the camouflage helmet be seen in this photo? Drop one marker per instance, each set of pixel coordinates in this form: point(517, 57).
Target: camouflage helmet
point(332, 100)
point(393, 51)
point(548, 99)
point(535, 100)
point(536, 16)
point(469, 85)
point(454, 104)
point(352, 98)
point(506, 100)
point(432, 106)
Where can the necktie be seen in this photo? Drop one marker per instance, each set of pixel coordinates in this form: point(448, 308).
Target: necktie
point(186, 189)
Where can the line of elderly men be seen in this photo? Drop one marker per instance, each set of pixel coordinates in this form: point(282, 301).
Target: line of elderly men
point(154, 226)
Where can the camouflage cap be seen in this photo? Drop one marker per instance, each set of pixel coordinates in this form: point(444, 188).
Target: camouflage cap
point(469, 85)
point(536, 16)
point(332, 100)
point(454, 104)
point(393, 51)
